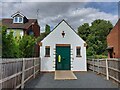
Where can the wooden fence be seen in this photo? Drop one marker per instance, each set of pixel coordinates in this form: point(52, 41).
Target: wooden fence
point(16, 72)
point(108, 67)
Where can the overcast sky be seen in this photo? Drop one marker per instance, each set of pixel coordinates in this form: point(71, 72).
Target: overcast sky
point(75, 13)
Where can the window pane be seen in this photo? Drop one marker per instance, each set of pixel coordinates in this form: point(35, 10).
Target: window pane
point(16, 19)
point(30, 32)
point(78, 51)
point(47, 51)
point(20, 19)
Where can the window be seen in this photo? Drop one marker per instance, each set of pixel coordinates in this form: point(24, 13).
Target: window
point(78, 51)
point(47, 51)
point(18, 20)
point(30, 32)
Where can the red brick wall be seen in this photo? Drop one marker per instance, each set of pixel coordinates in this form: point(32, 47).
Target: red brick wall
point(113, 39)
point(118, 39)
point(36, 30)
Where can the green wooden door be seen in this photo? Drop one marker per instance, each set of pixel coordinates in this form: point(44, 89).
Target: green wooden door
point(62, 57)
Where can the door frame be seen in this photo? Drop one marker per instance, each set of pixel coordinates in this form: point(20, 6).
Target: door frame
point(63, 45)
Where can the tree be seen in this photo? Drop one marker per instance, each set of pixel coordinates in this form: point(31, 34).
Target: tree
point(95, 36)
point(27, 46)
point(9, 45)
point(14, 47)
point(101, 28)
point(47, 29)
point(43, 35)
point(84, 31)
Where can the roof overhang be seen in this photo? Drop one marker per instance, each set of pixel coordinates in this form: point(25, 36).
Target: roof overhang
point(109, 48)
point(17, 14)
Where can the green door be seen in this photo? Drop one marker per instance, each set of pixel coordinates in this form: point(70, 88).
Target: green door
point(62, 57)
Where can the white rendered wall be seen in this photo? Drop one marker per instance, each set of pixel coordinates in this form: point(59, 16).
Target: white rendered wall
point(55, 37)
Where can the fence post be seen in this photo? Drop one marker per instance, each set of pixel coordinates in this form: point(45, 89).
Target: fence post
point(39, 63)
point(107, 72)
point(98, 61)
point(93, 64)
point(23, 74)
point(34, 67)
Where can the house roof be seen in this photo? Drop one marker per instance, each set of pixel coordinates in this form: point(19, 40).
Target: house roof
point(9, 24)
point(17, 13)
point(68, 25)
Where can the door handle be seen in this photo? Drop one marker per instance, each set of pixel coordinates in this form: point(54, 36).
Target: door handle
point(59, 58)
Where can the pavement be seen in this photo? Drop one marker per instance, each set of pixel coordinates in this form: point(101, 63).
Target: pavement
point(84, 80)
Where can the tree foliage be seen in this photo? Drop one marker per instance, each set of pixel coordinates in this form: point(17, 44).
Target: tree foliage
point(14, 47)
point(43, 35)
point(9, 45)
point(47, 29)
point(95, 36)
point(27, 46)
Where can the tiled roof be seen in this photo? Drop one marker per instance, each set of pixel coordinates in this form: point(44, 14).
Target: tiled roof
point(9, 23)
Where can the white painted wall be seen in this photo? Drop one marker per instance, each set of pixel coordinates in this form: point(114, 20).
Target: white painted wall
point(55, 37)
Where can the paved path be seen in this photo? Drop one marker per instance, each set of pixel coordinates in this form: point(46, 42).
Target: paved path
point(85, 80)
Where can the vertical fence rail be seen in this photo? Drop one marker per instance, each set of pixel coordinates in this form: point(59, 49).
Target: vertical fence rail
point(23, 73)
point(16, 72)
point(34, 61)
point(98, 66)
point(107, 73)
point(108, 67)
point(93, 65)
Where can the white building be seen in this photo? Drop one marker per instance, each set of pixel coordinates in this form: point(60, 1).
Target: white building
point(63, 49)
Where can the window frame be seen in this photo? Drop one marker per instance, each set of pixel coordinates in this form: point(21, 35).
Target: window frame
point(17, 20)
point(21, 19)
point(47, 53)
point(78, 53)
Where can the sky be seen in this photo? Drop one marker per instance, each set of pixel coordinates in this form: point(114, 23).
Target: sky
point(75, 13)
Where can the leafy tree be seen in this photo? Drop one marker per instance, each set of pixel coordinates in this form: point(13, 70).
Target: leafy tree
point(9, 45)
point(14, 47)
point(43, 35)
point(84, 31)
point(27, 46)
point(95, 36)
point(47, 29)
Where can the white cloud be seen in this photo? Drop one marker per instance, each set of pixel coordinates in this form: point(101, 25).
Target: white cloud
point(90, 14)
point(52, 13)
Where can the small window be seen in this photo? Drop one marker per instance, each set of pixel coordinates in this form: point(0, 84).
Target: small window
point(30, 32)
point(78, 51)
point(20, 19)
point(47, 51)
point(16, 19)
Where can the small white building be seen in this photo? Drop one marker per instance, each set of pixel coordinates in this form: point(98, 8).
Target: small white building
point(63, 49)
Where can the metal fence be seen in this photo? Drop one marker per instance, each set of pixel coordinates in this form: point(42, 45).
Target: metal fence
point(108, 67)
point(16, 72)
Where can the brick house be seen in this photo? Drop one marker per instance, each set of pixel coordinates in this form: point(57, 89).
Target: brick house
point(113, 42)
point(21, 25)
